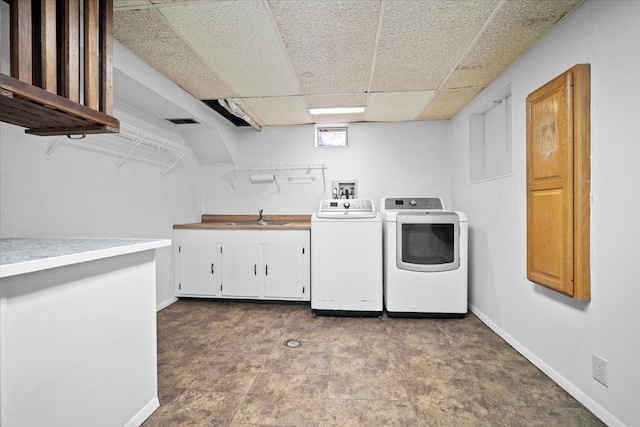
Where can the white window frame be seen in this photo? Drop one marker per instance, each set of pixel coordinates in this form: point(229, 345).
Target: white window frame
point(336, 128)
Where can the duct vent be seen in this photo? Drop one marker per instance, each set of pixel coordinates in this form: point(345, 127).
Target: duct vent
point(187, 121)
point(215, 105)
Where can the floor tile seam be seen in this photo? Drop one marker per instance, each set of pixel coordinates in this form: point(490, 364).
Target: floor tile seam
point(257, 393)
point(550, 406)
point(244, 398)
point(208, 390)
point(232, 353)
point(301, 375)
point(327, 413)
point(368, 399)
point(249, 392)
point(363, 399)
point(366, 359)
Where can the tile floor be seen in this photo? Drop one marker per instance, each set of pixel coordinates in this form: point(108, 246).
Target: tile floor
point(226, 364)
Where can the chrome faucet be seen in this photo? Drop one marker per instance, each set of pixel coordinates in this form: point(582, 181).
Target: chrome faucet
point(261, 221)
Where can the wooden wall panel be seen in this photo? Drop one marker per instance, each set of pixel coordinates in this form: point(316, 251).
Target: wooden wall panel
point(69, 78)
point(106, 56)
point(48, 46)
point(21, 41)
point(91, 54)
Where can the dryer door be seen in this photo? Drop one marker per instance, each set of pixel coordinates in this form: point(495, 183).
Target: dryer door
point(428, 241)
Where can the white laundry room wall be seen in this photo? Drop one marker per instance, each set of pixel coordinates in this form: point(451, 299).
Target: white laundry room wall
point(80, 192)
point(387, 159)
point(557, 333)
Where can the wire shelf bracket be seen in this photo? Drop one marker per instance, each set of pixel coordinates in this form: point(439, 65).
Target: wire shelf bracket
point(138, 137)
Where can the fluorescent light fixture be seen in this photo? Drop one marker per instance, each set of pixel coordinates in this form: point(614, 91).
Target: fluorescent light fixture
point(340, 110)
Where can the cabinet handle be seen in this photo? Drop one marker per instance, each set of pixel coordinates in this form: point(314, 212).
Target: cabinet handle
point(266, 269)
point(212, 268)
point(255, 269)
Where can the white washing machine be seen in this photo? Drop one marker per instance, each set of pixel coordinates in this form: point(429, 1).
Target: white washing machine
point(346, 258)
point(425, 258)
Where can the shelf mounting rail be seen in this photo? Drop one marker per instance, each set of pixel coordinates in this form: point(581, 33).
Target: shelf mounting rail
point(274, 169)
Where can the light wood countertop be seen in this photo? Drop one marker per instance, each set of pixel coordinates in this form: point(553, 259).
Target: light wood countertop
point(249, 222)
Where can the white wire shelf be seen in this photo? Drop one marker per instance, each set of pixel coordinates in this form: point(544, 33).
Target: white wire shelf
point(275, 171)
point(138, 137)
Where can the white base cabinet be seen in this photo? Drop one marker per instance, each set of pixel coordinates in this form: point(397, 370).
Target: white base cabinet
point(239, 270)
point(243, 264)
point(195, 268)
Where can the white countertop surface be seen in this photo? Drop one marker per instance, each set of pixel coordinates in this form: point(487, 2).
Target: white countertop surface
point(26, 255)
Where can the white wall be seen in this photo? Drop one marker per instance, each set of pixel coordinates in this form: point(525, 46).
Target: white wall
point(80, 192)
point(555, 332)
point(387, 159)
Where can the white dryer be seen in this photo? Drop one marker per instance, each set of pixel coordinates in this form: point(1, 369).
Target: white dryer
point(346, 258)
point(425, 258)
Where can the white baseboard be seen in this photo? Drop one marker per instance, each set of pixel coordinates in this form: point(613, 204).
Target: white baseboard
point(570, 388)
point(144, 413)
point(166, 303)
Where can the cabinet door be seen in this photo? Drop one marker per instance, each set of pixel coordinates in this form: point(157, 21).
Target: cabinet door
point(283, 270)
point(197, 269)
point(241, 269)
point(558, 189)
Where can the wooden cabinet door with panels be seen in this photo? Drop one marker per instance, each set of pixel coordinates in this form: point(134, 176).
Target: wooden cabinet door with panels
point(558, 184)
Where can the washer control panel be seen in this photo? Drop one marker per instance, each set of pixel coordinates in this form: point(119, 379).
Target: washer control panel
point(362, 208)
point(418, 203)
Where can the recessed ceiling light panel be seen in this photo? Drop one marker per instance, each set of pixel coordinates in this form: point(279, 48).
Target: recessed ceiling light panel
point(340, 110)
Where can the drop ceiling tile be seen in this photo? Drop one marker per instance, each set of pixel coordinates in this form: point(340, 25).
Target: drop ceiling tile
point(327, 101)
point(446, 103)
point(147, 34)
point(277, 111)
point(421, 41)
point(516, 27)
point(330, 43)
point(239, 40)
point(396, 106)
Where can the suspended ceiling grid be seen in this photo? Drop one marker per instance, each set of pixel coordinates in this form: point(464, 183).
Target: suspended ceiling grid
point(402, 60)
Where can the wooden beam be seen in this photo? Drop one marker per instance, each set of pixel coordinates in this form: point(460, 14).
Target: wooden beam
point(21, 40)
point(50, 100)
point(70, 50)
point(106, 56)
point(84, 130)
point(91, 77)
point(43, 91)
point(49, 66)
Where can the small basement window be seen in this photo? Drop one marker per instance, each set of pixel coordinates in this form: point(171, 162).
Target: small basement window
point(490, 148)
point(332, 135)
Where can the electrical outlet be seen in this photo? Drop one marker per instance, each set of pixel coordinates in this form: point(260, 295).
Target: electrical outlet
point(600, 370)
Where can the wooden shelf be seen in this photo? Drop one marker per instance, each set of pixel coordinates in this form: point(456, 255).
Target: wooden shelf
point(42, 91)
point(45, 113)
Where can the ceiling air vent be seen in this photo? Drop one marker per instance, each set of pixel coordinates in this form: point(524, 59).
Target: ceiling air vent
point(183, 121)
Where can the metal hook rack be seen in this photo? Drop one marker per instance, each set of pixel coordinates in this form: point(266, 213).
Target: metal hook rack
point(273, 169)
